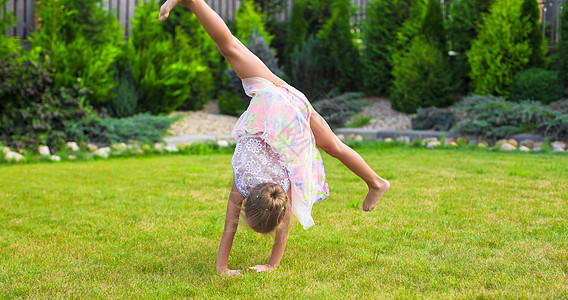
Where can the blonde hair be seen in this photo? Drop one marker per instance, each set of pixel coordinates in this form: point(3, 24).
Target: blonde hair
point(265, 207)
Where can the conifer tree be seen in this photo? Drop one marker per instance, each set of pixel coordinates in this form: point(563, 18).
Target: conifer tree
point(298, 29)
point(562, 46)
point(462, 30)
point(382, 22)
point(530, 12)
point(247, 18)
point(298, 26)
point(433, 26)
point(83, 41)
point(501, 50)
point(340, 57)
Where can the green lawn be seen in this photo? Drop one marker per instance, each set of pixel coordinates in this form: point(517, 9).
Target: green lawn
point(456, 223)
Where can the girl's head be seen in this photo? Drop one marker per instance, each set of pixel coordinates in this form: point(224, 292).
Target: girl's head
point(265, 207)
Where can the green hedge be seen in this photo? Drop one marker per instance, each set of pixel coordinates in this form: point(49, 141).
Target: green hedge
point(421, 79)
point(537, 84)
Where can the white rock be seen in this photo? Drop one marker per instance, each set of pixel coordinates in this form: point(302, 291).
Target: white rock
point(44, 150)
point(72, 146)
point(537, 149)
point(403, 139)
point(557, 144)
point(14, 156)
point(388, 140)
point(426, 140)
point(358, 138)
point(524, 149)
point(171, 148)
point(557, 149)
point(102, 152)
point(433, 144)
point(120, 147)
point(159, 146)
point(500, 142)
point(92, 148)
point(223, 143)
point(341, 137)
point(507, 147)
point(55, 158)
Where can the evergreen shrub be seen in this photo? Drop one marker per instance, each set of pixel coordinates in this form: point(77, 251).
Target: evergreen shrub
point(230, 103)
point(501, 50)
point(317, 13)
point(34, 109)
point(557, 128)
point(306, 70)
point(83, 41)
point(379, 35)
point(433, 118)
point(297, 31)
point(202, 85)
point(421, 79)
point(537, 84)
point(560, 106)
point(298, 26)
point(161, 73)
point(493, 118)
point(463, 28)
point(143, 128)
point(247, 18)
point(339, 55)
point(411, 27)
point(530, 11)
point(336, 110)
point(561, 47)
point(271, 8)
point(433, 26)
point(126, 99)
point(194, 44)
point(8, 45)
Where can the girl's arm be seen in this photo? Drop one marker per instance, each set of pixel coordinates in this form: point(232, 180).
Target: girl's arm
point(279, 244)
point(231, 224)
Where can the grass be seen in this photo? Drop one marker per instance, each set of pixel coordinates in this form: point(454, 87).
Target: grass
point(455, 224)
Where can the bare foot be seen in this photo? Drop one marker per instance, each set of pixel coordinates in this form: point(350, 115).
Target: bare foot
point(167, 7)
point(375, 194)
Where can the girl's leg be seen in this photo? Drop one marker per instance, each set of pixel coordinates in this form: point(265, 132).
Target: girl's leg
point(332, 145)
point(243, 61)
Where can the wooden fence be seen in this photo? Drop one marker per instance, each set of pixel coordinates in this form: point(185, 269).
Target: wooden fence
point(124, 10)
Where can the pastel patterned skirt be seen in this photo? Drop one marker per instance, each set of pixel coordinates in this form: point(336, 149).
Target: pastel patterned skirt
point(279, 115)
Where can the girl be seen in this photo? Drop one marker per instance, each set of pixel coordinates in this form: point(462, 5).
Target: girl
point(276, 165)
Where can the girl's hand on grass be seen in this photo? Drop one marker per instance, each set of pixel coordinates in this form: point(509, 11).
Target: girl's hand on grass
point(261, 268)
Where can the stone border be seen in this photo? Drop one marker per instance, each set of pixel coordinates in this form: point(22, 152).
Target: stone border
point(378, 134)
point(189, 139)
point(367, 134)
point(351, 133)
